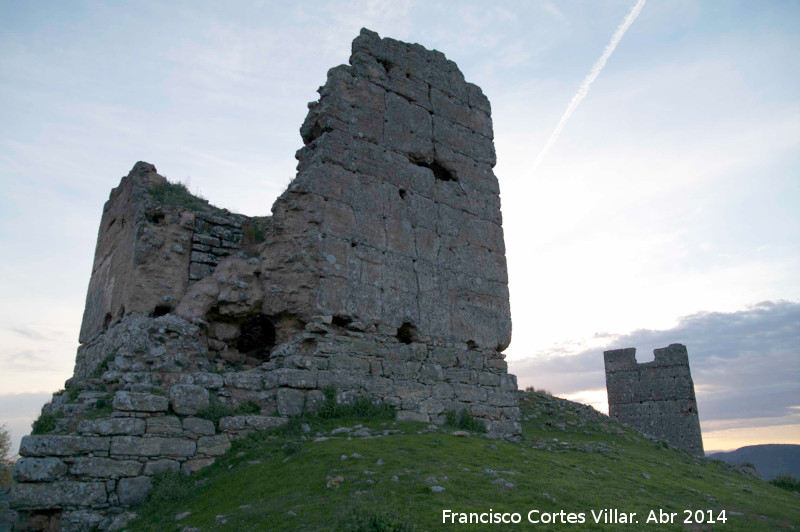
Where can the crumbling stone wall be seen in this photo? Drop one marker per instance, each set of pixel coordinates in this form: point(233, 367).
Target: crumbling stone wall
point(381, 273)
point(147, 251)
point(655, 397)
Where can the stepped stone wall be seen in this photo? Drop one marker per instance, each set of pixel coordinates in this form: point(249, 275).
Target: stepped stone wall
point(655, 397)
point(381, 273)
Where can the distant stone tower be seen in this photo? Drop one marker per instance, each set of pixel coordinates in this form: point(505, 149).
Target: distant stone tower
point(655, 397)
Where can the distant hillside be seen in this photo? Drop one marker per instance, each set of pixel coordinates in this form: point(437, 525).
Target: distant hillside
point(770, 460)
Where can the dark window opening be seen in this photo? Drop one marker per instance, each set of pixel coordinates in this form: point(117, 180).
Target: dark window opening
point(161, 310)
point(257, 337)
point(402, 193)
point(407, 333)
point(472, 345)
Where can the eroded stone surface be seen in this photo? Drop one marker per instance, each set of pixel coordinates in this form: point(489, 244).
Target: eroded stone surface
point(188, 399)
point(57, 494)
point(39, 469)
point(45, 445)
point(134, 490)
point(139, 402)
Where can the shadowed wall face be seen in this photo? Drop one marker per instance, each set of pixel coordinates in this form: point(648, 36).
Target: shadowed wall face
point(656, 397)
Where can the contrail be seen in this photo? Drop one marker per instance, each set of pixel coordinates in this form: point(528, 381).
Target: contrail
point(583, 90)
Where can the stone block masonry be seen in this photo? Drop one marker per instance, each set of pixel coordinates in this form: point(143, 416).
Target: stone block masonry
point(656, 397)
point(380, 273)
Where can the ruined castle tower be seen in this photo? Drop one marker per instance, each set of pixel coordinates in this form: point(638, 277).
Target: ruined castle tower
point(656, 397)
point(381, 273)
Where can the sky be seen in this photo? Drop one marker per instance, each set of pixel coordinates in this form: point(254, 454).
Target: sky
point(665, 209)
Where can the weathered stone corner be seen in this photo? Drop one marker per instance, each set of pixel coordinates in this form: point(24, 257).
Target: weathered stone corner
point(656, 397)
point(381, 273)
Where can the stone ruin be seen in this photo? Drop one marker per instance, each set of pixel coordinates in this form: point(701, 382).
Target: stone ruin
point(381, 273)
point(656, 398)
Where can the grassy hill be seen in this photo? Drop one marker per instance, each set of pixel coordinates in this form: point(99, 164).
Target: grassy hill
point(351, 474)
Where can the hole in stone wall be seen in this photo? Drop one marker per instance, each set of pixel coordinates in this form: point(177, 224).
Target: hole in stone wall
point(257, 337)
point(316, 131)
point(155, 217)
point(161, 310)
point(471, 345)
point(402, 193)
point(353, 244)
point(387, 65)
point(407, 333)
point(439, 172)
point(341, 321)
point(41, 519)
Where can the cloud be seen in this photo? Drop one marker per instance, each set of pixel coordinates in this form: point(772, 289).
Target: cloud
point(27, 360)
point(30, 334)
point(745, 364)
point(51, 335)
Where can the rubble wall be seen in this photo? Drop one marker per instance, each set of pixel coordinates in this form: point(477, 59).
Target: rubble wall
point(656, 397)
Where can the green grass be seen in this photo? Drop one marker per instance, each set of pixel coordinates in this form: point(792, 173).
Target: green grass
point(786, 482)
point(72, 393)
point(277, 480)
point(177, 195)
point(217, 410)
point(44, 424)
point(102, 407)
point(103, 366)
point(463, 421)
point(362, 408)
point(254, 232)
